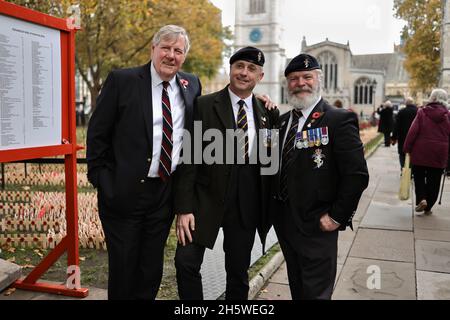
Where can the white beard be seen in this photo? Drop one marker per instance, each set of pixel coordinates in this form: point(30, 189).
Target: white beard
point(303, 103)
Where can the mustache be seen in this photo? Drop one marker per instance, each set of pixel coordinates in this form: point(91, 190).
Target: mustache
point(299, 90)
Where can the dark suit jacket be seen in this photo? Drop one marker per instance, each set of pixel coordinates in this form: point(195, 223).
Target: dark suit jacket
point(334, 188)
point(120, 134)
point(405, 118)
point(205, 189)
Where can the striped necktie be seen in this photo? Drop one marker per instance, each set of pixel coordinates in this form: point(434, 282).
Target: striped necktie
point(288, 152)
point(243, 125)
point(165, 159)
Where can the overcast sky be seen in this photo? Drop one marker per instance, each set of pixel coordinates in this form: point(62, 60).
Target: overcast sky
point(369, 25)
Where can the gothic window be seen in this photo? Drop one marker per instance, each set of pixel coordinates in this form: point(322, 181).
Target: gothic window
point(364, 91)
point(329, 65)
point(257, 6)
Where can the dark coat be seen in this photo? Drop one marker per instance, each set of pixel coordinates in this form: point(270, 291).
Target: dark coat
point(334, 188)
point(206, 189)
point(428, 138)
point(405, 118)
point(386, 123)
point(120, 134)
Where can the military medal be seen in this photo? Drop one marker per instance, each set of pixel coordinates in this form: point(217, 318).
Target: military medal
point(305, 139)
point(317, 141)
point(310, 138)
point(298, 140)
point(318, 157)
point(325, 139)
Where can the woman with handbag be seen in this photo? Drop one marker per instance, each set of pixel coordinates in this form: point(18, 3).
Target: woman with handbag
point(427, 142)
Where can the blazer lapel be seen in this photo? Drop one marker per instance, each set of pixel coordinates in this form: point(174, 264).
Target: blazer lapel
point(259, 115)
point(145, 89)
point(313, 121)
point(189, 108)
point(224, 109)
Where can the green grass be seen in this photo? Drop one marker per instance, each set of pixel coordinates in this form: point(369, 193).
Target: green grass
point(258, 265)
point(374, 143)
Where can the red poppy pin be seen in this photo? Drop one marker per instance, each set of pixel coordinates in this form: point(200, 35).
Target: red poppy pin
point(317, 115)
point(184, 83)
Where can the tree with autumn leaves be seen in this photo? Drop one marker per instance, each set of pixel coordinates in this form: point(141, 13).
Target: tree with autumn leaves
point(118, 33)
point(422, 39)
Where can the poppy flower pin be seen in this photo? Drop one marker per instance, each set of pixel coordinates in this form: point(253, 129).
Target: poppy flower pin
point(317, 115)
point(184, 83)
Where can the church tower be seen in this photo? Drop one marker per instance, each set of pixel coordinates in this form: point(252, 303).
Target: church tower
point(258, 24)
point(445, 46)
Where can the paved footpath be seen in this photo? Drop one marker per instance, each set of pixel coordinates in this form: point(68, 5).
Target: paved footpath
point(411, 251)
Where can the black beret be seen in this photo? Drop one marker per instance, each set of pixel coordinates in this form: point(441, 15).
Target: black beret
point(302, 62)
point(250, 54)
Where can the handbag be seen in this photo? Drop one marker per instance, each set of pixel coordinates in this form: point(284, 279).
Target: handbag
point(405, 181)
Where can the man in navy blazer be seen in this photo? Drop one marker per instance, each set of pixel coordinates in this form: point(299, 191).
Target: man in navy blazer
point(133, 148)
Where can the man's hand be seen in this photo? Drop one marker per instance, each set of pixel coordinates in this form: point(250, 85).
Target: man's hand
point(327, 224)
point(268, 103)
point(185, 223)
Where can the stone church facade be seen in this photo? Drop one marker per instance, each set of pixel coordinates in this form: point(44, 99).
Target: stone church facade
point(360, 82)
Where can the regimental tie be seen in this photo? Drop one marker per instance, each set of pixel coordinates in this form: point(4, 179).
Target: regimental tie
point(288, 152)
point(165, 159)
point(243, 125)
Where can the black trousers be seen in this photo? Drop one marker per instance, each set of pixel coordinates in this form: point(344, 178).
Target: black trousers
point(135, 242)
point(402, 157)
point(426, 184)
point(237, 245)
point(311, 261)
point(387, 138)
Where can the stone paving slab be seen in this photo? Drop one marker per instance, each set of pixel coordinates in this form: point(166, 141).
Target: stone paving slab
point(392, 199)
point(383, 245)
point(433, 286)
point(347, 235)
point(275, 291)
point(384, 216)
point(433, 256)
point(280, 276)
point(339, 268)
point(9, 272)
point(343, 250)
point(362, 208)
point(397, 281)
point(432, 235)
point(435, 221)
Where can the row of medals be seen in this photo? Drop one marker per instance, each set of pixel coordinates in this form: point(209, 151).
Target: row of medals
point(312, 137)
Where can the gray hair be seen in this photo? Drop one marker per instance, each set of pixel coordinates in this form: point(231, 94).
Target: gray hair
point(388, 103)
point(172, 32)
point(409, 100)
point(439, 96)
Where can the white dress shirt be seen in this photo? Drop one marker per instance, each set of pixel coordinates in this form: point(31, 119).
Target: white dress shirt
point(177, 108)
point(250, 118)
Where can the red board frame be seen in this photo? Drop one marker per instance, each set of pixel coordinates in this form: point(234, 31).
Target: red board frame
point(68, 148)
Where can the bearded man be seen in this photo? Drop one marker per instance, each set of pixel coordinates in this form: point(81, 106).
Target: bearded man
point(322, 175)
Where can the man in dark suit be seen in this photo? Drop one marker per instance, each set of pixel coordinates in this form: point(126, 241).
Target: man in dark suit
point(230, 193)
point(321, 178)
point(405, 118)
point(133, 148)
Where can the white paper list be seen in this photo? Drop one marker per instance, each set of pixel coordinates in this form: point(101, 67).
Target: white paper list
point(30, 85)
